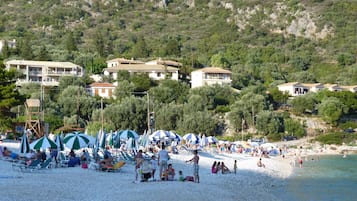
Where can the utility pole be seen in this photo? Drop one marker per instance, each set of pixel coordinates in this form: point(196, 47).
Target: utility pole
point(101, 113)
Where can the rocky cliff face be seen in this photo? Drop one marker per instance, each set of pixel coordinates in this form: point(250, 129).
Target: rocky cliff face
point(280, 19)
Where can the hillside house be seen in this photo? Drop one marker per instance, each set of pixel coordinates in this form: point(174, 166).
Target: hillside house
point(210, 76)
point(104, 90)
point(44, 72)
point(155, 70)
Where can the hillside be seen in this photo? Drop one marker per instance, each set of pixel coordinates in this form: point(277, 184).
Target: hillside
point(260, 41)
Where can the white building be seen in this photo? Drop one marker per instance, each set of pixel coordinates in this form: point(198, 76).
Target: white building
point(293, 88)
point(155, 71)
point(210, 76)
point(104, 90)
point(44, 72)
point(297, 89)
point(11, 44)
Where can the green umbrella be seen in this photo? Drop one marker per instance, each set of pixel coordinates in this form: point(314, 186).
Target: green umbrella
point(43, 143)
point(76, 140)
point(25, 145)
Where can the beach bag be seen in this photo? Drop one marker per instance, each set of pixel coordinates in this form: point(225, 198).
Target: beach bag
point(84, 165)
point(189, 178)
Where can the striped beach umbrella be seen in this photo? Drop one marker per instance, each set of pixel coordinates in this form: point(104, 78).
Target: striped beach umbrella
point(160, 134)
point(24, 145)
point(43, 143)
point(191, 138)
point(76, 140)
point(59, 143)
point(126, 134)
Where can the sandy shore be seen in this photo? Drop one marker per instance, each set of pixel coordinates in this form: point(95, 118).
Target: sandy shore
point(250, 182)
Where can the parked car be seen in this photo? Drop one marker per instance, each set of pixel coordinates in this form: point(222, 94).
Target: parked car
point(289, 138)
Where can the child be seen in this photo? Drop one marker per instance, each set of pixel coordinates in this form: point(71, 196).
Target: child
point(235, 167)
point(153, 166)
point(181, 177)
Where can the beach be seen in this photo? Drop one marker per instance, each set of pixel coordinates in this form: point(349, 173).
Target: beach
point(75, 183)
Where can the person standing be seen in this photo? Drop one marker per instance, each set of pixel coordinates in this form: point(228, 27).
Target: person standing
point(153, 167)
point(235, 167)
point(195, 160)
point(163, 157)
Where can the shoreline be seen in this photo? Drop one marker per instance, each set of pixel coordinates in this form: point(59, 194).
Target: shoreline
point(250, 183)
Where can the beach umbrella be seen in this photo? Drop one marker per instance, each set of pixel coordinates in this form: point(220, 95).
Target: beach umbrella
point(211, 139)
point(59, 142)
point(43, 143)
point(190, 137)
point(159, 134)
point(76, 140)
point(24, 145)
point(102, 139)
point(174, 136)
point(126, 134)
point(203, 140)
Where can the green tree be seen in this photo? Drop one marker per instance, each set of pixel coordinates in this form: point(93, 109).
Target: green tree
point(168, 116)
point(294, 128)
point(5, 52)
point(130, 113)
point(25, 49)
point(302, 104)
point(170, 91)
point(70, 43)
point(66, 81)
point(198, 122)
point(9, 96)
point(269, 122)
point(173, 48)
point(124, 89)
point(142, 82)
point(140, 48)
point(218, 60)
point(331, 109)
point(43, 54)
point(74, 100)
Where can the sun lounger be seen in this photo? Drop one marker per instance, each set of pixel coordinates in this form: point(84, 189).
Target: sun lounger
point(116, 167)
point(23, 166)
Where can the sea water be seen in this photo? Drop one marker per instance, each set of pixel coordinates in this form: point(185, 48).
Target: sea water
point(323, 178)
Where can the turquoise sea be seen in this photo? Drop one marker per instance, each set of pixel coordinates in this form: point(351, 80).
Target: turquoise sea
point(323, 178)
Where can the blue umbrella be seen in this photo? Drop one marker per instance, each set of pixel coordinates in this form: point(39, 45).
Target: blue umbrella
point(159, 134)
point(126, 134)
point(190, 137)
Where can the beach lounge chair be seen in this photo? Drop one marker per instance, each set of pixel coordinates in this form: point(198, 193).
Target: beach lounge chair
point(63, 161)
point(116, 167)
point(23, 165)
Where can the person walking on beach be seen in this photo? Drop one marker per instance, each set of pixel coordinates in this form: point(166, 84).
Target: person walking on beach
point(195, 160)
point(235, 167)
point(163, 157)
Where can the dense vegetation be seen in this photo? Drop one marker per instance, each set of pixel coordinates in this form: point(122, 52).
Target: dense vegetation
point(207, 34)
